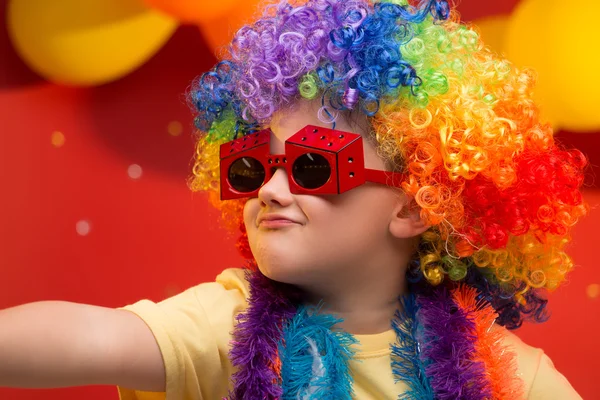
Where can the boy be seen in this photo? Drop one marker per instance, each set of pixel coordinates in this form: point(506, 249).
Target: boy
point(380, 152)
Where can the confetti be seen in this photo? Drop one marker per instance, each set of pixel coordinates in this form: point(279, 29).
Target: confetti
point(593, 291)
point(57, 139)
point(134, 171)
point(83, 227)
point(174, 128)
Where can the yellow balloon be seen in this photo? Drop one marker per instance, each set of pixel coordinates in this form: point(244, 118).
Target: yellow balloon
point(573, 62)
point(526, 46)
point(493, 31)
point(88, 42)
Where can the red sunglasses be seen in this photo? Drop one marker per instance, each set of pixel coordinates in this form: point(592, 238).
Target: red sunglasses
point(318, 161)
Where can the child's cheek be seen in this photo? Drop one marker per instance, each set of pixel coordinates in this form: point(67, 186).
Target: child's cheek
point(251, 209)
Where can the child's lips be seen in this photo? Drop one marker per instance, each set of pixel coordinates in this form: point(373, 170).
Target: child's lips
point(274, 221)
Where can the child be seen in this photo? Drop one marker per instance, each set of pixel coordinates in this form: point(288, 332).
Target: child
point(401, 205)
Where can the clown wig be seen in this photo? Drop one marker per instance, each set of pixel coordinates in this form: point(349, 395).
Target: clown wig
point(459, 121)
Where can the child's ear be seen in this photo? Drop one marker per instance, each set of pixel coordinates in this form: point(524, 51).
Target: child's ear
point(406, 219)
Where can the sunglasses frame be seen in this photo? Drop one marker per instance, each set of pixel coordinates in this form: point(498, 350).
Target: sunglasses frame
point(342, 150)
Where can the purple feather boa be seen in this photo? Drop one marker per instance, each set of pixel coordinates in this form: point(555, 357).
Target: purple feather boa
point(448, 348)
point(256, 338)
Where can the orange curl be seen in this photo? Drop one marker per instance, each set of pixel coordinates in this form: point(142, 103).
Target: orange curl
point(428, 198)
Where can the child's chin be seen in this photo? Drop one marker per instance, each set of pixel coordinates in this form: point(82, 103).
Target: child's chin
point(283, 273)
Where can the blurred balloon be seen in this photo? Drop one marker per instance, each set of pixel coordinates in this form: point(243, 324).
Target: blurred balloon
point(194, 10)
point(526, 46)
point(85, 43)
point(493, 31)
point(218, 33)
point(573, 62)
point(557, 40)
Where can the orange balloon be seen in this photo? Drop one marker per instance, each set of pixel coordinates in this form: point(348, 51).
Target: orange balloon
point(193, 10)
point(219, 32)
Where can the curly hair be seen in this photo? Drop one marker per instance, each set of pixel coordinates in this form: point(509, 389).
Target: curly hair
point(500, 195)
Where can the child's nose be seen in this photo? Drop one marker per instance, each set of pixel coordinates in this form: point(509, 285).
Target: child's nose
point(276, 191)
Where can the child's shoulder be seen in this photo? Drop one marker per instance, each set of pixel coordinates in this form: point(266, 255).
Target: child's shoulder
point(225, 295)
point(234, 279)
point(528, 358)
point(541, 379)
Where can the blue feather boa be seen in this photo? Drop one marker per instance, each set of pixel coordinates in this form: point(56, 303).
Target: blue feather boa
point(315, 357)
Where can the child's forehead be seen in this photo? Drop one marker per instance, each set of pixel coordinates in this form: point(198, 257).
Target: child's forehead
point(287, 122)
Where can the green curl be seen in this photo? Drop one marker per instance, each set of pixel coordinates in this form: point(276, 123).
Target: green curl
point(223, 129)
point(308, 87)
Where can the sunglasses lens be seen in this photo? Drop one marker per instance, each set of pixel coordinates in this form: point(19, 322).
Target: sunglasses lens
point(311, 171)
point(246, 174)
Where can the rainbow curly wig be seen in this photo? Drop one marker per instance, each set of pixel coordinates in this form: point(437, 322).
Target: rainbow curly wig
point(500, 194)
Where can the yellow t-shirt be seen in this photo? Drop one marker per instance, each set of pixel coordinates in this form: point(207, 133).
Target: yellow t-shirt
point(193, 330)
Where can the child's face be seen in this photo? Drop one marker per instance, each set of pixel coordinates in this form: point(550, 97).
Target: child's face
point(331, 237)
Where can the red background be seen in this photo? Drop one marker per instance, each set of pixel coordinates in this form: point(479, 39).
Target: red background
point(151, 237)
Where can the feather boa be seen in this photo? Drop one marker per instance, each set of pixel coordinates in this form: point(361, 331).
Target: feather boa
point(314, 358)
point(446, 348)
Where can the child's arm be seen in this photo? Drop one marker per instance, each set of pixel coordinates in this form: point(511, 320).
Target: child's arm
point(59, 344)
